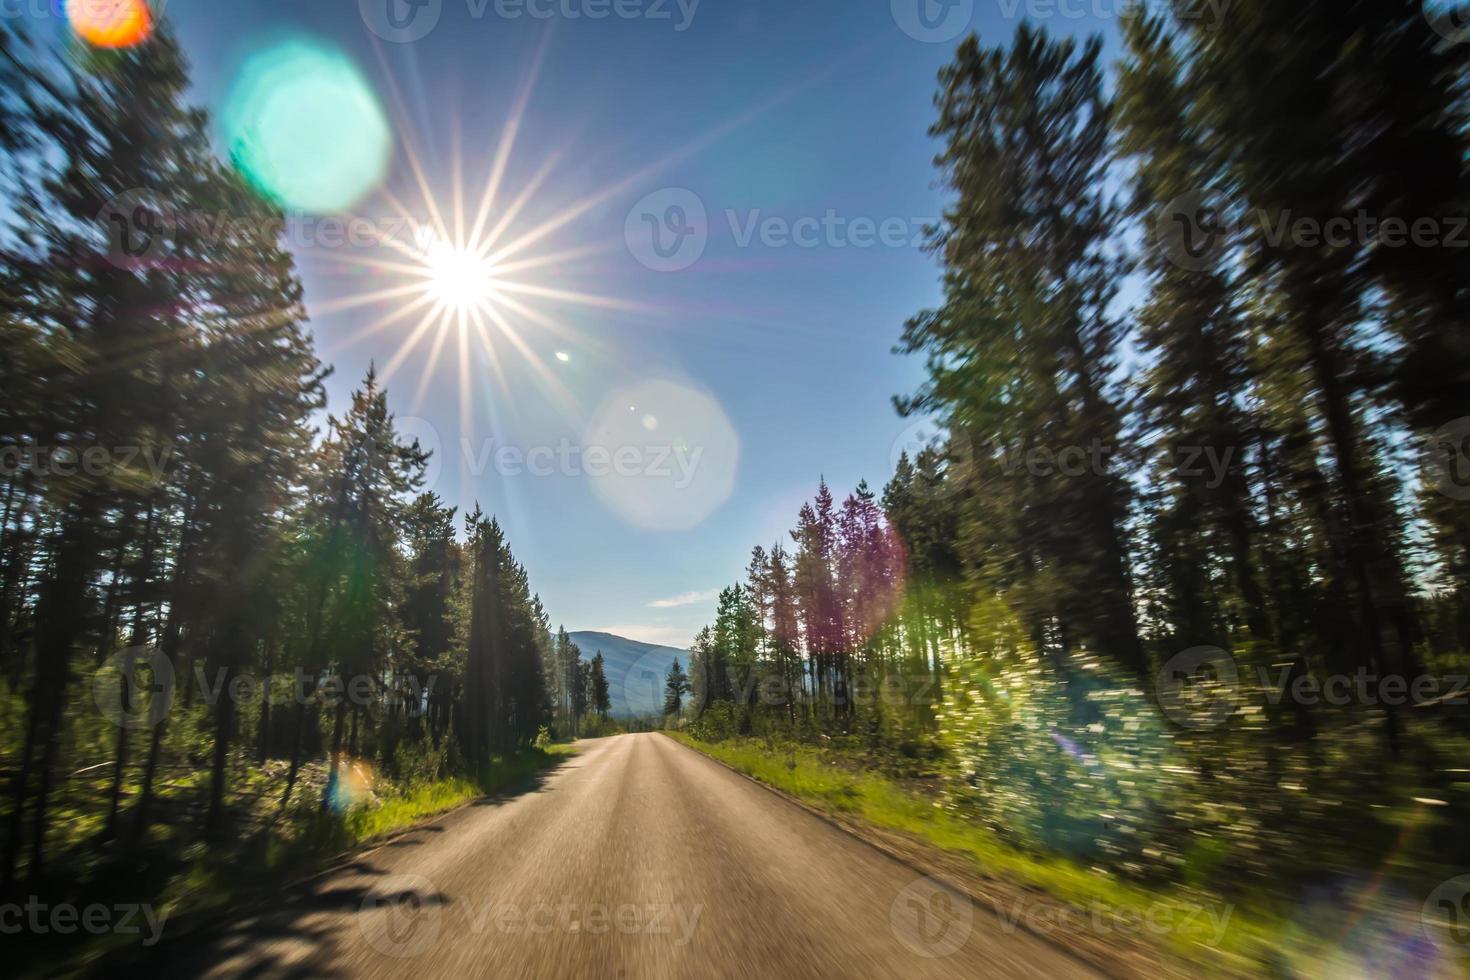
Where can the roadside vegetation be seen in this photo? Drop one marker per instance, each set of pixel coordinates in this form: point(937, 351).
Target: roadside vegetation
point(186, 884)
point(1175, 597)
point(1201, 930)
point(237, 636)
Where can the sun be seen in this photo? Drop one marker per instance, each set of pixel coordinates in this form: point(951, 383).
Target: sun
point(462, 286)
point(460, 278)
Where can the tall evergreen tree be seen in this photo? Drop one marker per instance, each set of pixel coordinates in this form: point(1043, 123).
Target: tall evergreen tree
point(129, 155)
point(1021, 354)
point(367, 480)
point(601, 697)
point(676, 686)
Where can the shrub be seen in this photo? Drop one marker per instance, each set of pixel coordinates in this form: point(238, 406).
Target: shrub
point(718, 722)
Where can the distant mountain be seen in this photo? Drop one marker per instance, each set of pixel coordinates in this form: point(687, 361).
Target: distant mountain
point(635, 671)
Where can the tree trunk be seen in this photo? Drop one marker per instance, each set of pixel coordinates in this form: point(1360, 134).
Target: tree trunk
point(214, 824)
point(136, 639)
point(60, 615)
point(1366, 549)
point(295, 752)
point(262, 741)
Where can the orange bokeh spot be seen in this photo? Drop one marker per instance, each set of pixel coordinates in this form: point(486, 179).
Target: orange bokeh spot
point(111, 23)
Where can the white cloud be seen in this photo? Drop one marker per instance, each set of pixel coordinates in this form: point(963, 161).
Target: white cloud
point(686, 599)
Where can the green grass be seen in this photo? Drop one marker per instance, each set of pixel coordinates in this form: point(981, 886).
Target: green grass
point(423, 802)
point(1252, 937)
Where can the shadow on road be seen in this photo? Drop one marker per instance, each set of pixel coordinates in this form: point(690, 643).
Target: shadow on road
point(296, 933)
point(535, 783)
point(414, 837)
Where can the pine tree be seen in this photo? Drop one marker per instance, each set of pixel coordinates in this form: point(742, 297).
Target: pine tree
point(525, 707)
point(93, 270)
point(367, 479)
point(785, 636)
point(250, 420)
point(1320, 113)
point(1021, 354)
point(557, 676)
point(676, 686)
point(568, 659)
point(701, 656)
point(581, 684)
point(485, 654)
point(601, 694)
point(428, 610)
point(1192, 400)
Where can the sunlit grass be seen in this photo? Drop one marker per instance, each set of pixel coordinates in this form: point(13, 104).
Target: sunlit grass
point(423, 802)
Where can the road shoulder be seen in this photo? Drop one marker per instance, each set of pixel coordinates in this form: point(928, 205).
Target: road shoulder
point(1113, 954)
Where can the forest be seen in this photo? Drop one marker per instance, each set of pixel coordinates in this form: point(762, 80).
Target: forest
point(1177, 598)
point(1182, 590)
point(230, 618)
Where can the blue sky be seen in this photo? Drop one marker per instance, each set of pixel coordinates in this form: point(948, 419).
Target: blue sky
point(772, 357)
